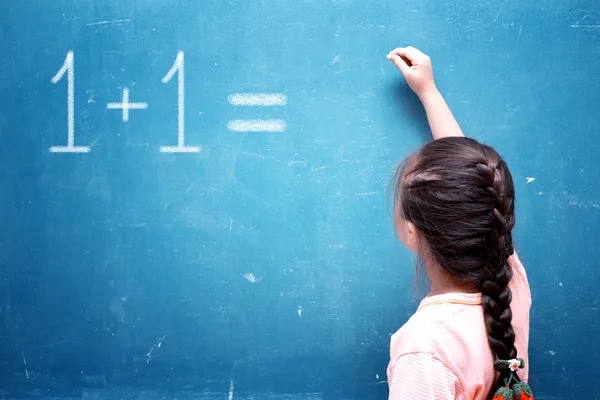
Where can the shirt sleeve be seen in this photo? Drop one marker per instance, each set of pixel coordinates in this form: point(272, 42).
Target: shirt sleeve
point(420, 376)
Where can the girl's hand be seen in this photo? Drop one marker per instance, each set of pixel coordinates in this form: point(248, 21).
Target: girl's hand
point(416, 68)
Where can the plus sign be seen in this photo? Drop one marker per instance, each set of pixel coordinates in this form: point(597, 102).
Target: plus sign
point(125, 105)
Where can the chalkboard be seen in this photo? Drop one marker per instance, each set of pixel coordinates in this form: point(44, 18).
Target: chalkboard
point(193, 197)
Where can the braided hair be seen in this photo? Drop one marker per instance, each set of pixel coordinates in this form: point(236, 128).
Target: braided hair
point(459, 195)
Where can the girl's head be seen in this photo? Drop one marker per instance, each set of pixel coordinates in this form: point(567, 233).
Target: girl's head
point(454, 206)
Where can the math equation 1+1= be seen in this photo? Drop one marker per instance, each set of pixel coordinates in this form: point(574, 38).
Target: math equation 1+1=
point(125, 106)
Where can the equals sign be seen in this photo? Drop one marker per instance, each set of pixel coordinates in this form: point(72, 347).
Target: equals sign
point(257, 100)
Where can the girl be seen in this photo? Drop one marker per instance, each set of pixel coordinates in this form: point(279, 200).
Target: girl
point(454, 207)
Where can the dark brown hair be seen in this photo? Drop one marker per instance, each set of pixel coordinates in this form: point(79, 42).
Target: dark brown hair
point(459, 195)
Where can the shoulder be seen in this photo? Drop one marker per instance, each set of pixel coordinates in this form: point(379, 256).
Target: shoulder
point(423, 376)
point(453, 333)
point(431, 330)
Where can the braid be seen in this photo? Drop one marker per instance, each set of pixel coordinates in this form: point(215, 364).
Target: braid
point(496, 298)
point(496, 295)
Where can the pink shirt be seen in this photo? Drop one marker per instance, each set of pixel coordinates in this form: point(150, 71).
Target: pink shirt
point(442, 352)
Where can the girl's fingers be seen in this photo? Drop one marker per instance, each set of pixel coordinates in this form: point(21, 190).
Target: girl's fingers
point(401, 52)
point(400, 63)
point(411, 55)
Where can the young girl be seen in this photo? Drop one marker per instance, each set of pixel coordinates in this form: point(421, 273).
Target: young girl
point(454, 207)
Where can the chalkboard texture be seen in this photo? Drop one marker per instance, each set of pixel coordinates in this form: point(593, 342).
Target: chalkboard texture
point(193, 198)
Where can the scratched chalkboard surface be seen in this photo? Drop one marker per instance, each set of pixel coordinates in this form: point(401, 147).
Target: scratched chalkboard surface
point(193, 198)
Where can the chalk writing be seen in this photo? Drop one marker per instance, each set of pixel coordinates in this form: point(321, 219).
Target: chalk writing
point(178, 67)
point(253, 100)
point(68, 67)
point(125, 105)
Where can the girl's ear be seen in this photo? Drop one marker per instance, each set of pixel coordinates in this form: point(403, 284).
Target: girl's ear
point(412, 237)
point(408, 234)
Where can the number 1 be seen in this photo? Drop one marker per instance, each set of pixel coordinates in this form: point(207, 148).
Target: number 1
point(69, 67)
point(178, 67)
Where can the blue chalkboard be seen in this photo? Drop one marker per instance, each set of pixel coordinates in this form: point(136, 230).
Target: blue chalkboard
point(193, 197)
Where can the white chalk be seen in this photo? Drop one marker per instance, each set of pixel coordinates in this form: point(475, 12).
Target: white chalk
point(125, 105)
point(68, 67)
point(179, 68)
point(582, 23)
point(230, 394)
point(256, 125)
point(258, 99)
point(586, 26)
point(107, 22)
point(180, 149)
point(69, 149)
point(25, 363)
